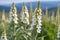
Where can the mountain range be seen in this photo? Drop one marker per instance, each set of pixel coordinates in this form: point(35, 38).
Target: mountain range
point(52, 5)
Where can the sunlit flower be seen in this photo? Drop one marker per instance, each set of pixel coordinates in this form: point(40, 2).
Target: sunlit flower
point(3, 37)
point(13, 15)
point(36, 20)
point(33, 22)
point(15, 19)
point(25, 15)
point(10, 17)
point(39, 17)
point(38, 30)
point(58, 32)
point(38, 26)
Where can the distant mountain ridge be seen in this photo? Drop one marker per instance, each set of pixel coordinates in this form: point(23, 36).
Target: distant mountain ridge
point(19, 6)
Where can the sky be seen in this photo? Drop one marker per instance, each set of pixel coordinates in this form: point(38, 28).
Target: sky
point(19, 1)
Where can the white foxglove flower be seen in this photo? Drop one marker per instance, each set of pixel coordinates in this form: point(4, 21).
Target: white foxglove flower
point(38, 30)
point(13, 15)
point(15, 19)
point(10, 17)
point(33, 22)
point(25, 15)
point(39, 17)
point(3, 37)
point(38, 26)
point(58, 32)
point(36, 20)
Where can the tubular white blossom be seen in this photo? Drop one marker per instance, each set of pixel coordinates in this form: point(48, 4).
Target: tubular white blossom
point(15, 19)
point(58, 32)
point(38, 30)
point(25, 15)
point(33, 22)
point(3, 37)
point(10, 17)
point(13, 15)
point(38, 19)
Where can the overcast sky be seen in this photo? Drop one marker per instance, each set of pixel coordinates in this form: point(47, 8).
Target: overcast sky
point(19, 1)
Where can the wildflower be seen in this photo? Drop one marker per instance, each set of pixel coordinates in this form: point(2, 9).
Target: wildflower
point(13, 15)
point(25, 15)
point(15, 19)
point(39, 24)
point(58, 33)
point(3, 37)
point(36, 19)
point(38, 30)
point(10, 17)
point(33, 22)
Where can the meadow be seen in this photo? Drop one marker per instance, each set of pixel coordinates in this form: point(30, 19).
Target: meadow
point(37, 25)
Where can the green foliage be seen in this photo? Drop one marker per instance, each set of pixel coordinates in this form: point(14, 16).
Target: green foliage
point(49, 31)
point(22, 32)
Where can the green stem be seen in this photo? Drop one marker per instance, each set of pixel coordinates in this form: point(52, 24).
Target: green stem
point(42, 38)
point(36, 36)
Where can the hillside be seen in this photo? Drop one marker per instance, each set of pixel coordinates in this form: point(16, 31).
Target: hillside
point(49, 5)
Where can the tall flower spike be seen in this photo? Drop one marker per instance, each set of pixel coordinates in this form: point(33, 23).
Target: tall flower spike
point(25, 15)
point(3, 15)
point(36, 20)
point(58, 32)
point(13, 12)
point(4, 37)
point(14, 19)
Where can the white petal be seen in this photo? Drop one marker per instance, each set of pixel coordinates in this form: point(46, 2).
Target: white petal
point(38, 30)
point(38, 26)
